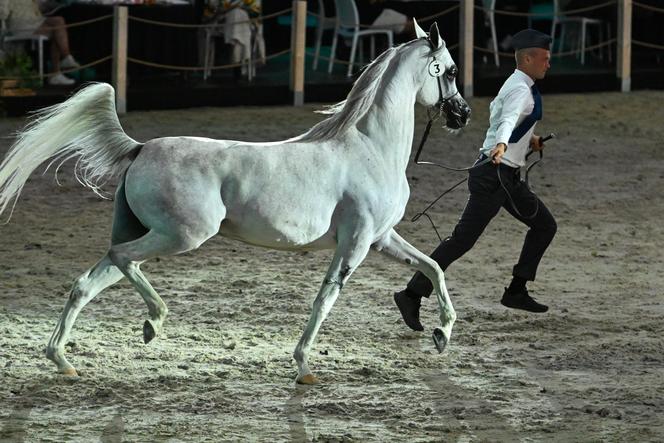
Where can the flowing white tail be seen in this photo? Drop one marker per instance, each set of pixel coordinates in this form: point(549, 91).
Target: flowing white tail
point(85, 126)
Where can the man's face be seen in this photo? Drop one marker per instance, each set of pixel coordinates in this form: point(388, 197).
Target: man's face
point(538, 62)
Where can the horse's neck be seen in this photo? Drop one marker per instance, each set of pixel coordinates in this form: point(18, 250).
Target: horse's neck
point(390, 121)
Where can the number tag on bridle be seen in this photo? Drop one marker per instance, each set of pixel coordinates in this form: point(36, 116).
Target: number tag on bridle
point(435, 69)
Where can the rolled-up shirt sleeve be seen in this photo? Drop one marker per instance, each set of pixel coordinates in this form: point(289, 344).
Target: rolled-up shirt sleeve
point(514, 104)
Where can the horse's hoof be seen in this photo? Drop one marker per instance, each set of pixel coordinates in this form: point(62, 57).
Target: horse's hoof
point(69, 372)
point(439, 340)
point(148, 332)
point(308, 379)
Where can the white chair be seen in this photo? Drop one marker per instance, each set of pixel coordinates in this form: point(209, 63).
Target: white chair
point(324, 23)
point(490, 16)
point(248, 34)
point(209, 48)
point(583, 23)
point(35, 40)
point(348, 26)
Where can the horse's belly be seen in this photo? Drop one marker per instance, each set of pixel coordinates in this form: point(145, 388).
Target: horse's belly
point(291, 236)
point(283, 212)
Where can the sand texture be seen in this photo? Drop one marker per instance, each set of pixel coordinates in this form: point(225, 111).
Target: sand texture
point(589, 370)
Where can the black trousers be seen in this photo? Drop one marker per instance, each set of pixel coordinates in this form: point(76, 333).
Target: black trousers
point(487, 196)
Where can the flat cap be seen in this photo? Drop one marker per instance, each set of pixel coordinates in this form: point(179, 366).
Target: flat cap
point(530, 38)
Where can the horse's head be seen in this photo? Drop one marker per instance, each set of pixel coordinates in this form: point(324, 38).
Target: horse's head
point(438, 89)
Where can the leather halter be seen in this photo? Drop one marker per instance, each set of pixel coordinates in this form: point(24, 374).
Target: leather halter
point(434, 113)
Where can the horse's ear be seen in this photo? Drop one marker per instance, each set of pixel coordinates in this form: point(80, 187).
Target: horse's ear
point(419, 32)
point(434, 36)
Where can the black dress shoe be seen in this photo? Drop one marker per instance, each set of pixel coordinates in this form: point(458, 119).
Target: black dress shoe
point(409, 305)
point(521, 300)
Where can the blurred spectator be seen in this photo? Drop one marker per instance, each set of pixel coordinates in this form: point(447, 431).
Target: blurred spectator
point(23, 17)
point(244, 37)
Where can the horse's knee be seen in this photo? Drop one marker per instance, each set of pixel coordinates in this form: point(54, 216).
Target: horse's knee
point(436, 269)
point(441, 277)
point(434, 273)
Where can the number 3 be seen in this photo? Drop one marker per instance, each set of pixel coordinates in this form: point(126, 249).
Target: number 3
point(434, 69)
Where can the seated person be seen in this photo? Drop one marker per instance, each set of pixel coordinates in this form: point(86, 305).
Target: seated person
point(237, 29)
point(23, 17)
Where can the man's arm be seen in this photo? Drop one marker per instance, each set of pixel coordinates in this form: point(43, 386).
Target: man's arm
point(514, 104)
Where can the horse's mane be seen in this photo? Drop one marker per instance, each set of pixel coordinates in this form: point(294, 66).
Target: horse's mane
point(348, 112)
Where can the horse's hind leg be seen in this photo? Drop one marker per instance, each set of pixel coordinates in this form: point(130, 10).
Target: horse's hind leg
point(128, 257)
point(86, 287)
point(126, 227)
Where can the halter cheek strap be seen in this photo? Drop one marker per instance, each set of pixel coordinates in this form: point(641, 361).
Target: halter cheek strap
point(435, 115)
point(442, 100)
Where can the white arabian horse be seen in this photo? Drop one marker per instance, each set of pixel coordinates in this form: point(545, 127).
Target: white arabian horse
point(342, 185)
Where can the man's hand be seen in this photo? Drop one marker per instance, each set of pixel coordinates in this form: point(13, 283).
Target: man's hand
point(497, 153)
point(536, 143)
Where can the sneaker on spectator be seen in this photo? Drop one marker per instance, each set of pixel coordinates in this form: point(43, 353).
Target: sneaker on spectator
point(60, 79)
point(69, 62)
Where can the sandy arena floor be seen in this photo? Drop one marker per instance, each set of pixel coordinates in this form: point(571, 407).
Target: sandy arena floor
point(591, 369)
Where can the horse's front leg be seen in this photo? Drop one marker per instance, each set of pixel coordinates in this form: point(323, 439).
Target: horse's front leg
point(350, 252)
point(395, 247)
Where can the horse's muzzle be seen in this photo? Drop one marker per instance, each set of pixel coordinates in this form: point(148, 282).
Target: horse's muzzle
point(457, 113)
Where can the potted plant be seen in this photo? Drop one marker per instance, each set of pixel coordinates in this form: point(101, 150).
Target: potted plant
point(17, 78)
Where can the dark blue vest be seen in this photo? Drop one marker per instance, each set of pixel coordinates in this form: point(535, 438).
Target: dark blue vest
point(530, 120)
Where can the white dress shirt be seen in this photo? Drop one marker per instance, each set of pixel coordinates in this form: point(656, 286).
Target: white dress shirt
point(511, 106)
